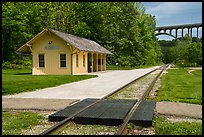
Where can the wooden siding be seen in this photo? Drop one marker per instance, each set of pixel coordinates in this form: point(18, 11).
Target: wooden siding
point(52, 55)
point(80, 69)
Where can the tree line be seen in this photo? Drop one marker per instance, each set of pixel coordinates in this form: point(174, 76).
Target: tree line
point(183, 52)
point(121, 27)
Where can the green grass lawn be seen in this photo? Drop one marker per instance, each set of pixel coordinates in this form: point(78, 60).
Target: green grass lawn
point(163, 127)
point(14, 122)
point(16, 81)
point(180, 86)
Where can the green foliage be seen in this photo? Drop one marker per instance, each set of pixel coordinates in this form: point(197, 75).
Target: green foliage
point(21, 62)
point(184, 52)
point(194, 53)
point(13, 123)
point(9, 65)
point(122, 27)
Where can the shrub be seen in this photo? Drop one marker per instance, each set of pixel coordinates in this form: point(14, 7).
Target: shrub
point(9, 65)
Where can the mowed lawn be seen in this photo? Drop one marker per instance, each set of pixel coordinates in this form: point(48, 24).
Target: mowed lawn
point(16, 81)
point(165, 127)
point(14, 122)
point(180, 86)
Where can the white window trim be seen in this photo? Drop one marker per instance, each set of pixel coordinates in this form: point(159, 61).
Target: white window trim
point(39, 61)
point(60, 61)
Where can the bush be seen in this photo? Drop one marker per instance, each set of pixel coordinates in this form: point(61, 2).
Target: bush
point(194, 53)
point(186, 63)
point(9, 65)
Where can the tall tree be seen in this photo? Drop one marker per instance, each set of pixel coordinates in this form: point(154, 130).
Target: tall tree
point(122, 27)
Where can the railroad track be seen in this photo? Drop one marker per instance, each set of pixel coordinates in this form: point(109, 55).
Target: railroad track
point(122, 127)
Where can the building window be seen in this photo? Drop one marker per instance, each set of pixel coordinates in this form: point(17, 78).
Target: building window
point(62, 60)
point(84, 60)
point(41, 60)
point(77, 61)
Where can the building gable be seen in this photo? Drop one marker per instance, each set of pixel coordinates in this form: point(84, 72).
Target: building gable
point(81, 44)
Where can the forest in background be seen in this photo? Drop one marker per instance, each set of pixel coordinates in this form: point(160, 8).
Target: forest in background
point(122, 27)
point(184, 52)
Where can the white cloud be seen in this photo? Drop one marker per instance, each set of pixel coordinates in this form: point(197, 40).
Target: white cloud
point(175, 13)
point(164, 9)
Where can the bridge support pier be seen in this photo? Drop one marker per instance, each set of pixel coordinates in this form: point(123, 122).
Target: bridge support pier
point(165, 31)
point(191, 32)
point(189, 27)
point(176, 32)
point(197, 31)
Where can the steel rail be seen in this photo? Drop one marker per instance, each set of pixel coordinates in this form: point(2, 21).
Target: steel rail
point(62, 123)
point(131, 82)
point(135, 106)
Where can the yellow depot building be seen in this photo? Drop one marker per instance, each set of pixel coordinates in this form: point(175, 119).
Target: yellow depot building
point(55, 52)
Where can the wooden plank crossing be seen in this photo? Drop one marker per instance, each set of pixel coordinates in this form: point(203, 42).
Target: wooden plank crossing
point(117, 112)
point(107, 112)
point(64, 113)
point(143, 115)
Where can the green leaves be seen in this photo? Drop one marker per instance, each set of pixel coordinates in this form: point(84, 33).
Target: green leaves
point(82, 29)
point(122, 27)
point(182, 52)
point(194, 53)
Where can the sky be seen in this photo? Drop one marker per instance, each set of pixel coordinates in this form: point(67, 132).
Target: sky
point(175, 13)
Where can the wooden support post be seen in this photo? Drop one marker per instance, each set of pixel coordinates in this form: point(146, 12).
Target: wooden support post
point(96, 62)
point(92, 62)
point(104, 62)
point(101, 63)
point(30, 47)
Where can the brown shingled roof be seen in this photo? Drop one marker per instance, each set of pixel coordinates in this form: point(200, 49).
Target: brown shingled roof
point(78, 42)
point(81, 43)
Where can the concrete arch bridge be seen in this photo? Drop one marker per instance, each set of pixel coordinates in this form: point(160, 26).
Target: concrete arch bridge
point(167, 30)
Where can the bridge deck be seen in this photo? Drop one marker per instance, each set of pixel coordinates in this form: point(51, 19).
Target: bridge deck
point(179, 26)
